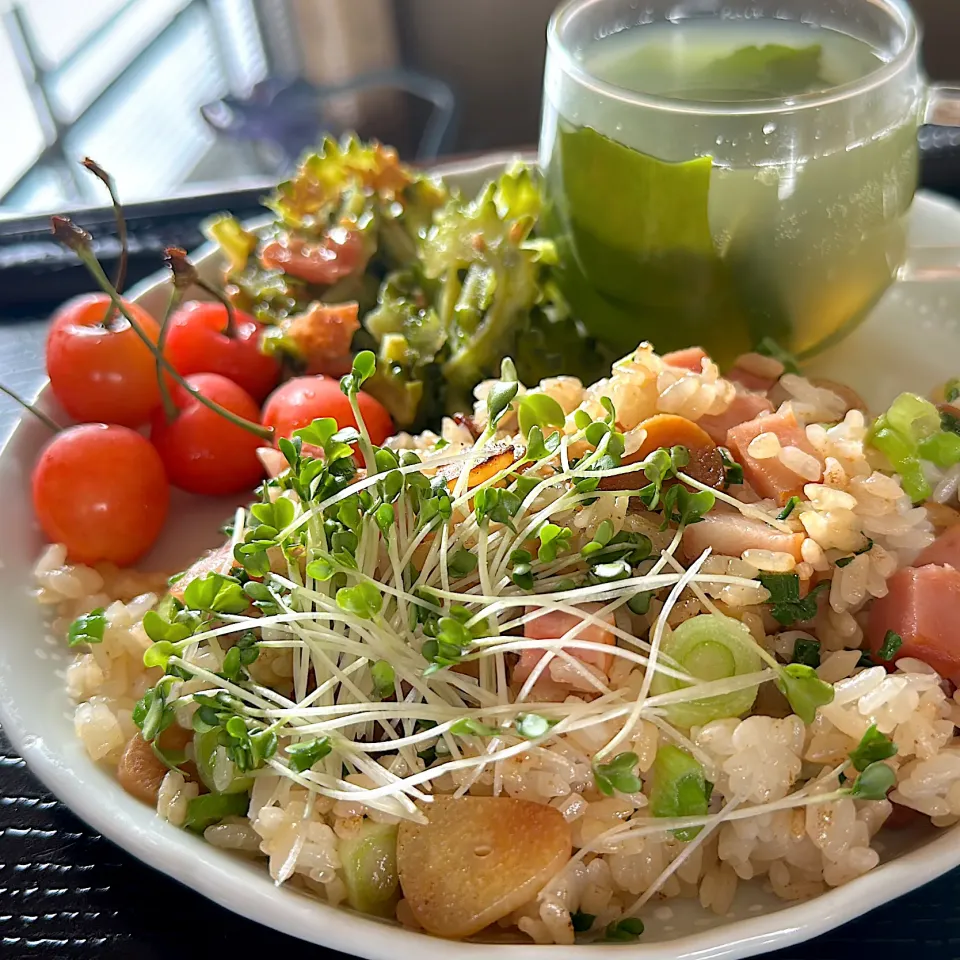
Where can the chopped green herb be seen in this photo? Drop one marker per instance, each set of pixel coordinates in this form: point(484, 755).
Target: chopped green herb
point(892, 642)
point(785, 602)
point(790, 506)
point(806, 652)
point(733, 472)
point(951, 390)
point(581, 921)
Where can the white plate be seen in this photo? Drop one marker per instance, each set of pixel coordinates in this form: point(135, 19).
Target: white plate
point(911, 340)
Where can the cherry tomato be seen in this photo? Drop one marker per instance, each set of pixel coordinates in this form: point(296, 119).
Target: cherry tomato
point(197, 343)
point(101, 373)
point(102, 491)
point(339, 254)
point(201, 450)
point(300, 401)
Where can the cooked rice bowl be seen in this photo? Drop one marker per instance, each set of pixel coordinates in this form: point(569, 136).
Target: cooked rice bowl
point(590, 648)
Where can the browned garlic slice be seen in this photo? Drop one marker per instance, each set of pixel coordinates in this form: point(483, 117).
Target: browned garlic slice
point(478, 859)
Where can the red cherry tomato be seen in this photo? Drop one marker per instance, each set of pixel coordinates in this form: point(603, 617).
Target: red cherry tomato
point(101, 373)
point(201, 450)
point(339, 254)
point(300, 401)
point(102, 491)
point(196, 343)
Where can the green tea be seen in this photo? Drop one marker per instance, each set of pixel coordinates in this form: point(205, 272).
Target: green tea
point(666, 238)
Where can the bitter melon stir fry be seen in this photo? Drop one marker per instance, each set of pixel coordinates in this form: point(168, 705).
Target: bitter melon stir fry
point(588, 649)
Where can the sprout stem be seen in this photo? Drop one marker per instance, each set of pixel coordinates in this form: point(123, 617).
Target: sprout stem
point(38, 413)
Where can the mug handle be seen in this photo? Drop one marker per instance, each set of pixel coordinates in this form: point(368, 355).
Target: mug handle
point(943, 106)
point(941, 167)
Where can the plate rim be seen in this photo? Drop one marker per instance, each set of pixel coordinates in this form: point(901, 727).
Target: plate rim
point(217, 874)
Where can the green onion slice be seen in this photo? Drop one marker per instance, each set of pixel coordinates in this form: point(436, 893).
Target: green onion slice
point(709, 647)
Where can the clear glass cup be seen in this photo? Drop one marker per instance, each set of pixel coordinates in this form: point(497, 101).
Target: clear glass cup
point(721, 223)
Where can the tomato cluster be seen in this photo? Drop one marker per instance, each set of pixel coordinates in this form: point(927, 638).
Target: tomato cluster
point(101, 487)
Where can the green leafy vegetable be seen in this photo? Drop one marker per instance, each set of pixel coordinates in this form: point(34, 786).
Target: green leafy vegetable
point(384, 679)
point(873, 747)
point(302, 756)
point(539, 410)
point(617, 775)
point(874, 783)
point(216, 593)
point(87, 628)
point(530, 726)
point(804, 690)
point(364, 600)
point(789, 507)
point(471, 727)
point(623, 931)
point(554, 540)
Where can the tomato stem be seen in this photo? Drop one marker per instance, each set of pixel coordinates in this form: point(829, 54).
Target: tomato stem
point(185, 275)
point(170, 409)
point(78, 240)
point(38, 413)
point(121, 220)
point(230, 330)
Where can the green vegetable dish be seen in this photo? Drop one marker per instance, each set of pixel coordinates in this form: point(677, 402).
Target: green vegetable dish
point(596, 644)
point(440, 286)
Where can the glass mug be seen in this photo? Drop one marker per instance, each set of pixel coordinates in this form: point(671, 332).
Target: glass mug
point(725, 219)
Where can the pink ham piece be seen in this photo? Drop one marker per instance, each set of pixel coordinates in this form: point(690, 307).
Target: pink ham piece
point(770, 478)
point(945, 550)
point(729, 534)
point(552, 626)
point(750, 380)
point(923, 608)
point(745, 406)
point(689, 359)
